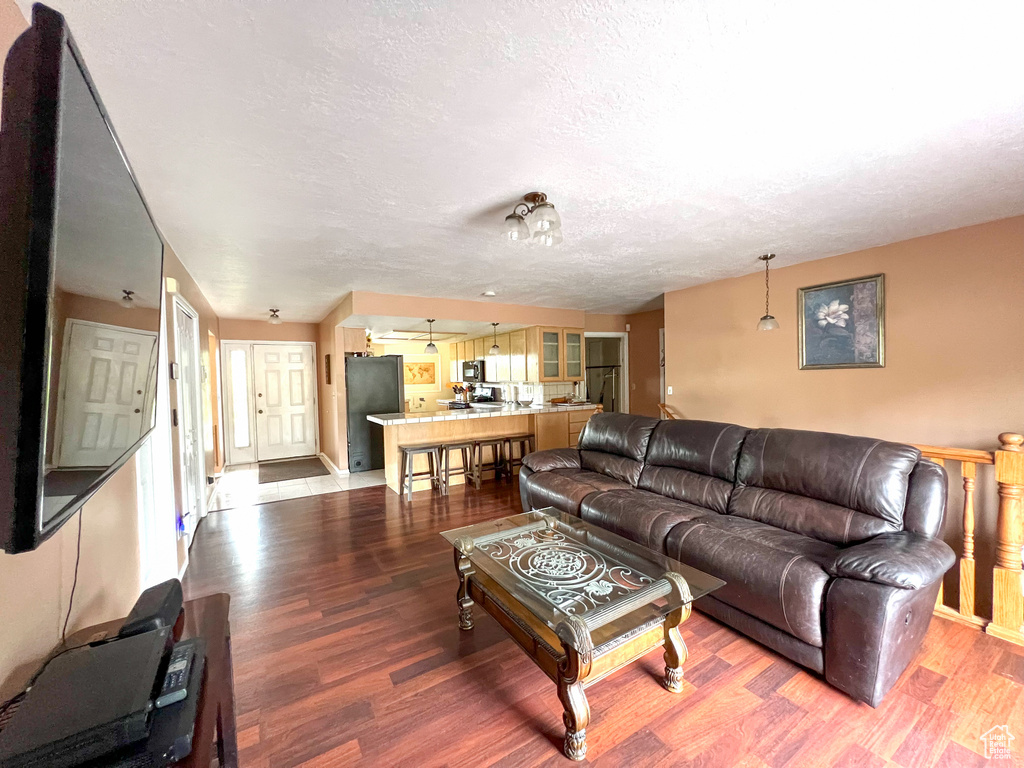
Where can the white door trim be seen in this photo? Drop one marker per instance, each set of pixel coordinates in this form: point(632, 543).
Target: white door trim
point(228, 420)
point(625, 361)
point(198, 394)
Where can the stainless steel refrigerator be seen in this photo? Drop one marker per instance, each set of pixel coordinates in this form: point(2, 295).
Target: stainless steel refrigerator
point(372, 385)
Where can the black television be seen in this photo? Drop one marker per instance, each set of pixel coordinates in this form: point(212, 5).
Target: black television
point(81, 289)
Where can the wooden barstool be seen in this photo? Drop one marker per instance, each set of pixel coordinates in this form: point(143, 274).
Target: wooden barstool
point(466, 470)
point(497, 446)
point(524, 441)
point(408, 474)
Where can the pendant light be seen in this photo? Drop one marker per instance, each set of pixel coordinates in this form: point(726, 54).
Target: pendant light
point(534, 220)
point(127, 301)
point(274, 319)
point(431, 348)
point(495, 350)
point(767, 323)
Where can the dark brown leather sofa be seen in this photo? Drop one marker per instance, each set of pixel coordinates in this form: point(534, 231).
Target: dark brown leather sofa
point(827, 542)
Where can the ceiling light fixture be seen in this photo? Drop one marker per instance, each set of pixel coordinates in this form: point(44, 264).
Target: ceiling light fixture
point(274, 319)
point(127, 301)
point(767, 323)
point(489, 294)
point(431, 348)
point(495, 350)
point(534, 220)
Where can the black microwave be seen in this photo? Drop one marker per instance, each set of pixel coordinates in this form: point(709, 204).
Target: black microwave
point(473, 370)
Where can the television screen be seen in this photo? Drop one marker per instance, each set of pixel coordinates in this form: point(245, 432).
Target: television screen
point(90, 258)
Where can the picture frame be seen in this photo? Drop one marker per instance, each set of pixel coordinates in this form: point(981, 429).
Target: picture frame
point(842, 324)
point(421, 373)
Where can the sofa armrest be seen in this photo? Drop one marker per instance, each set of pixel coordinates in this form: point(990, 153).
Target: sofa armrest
point(555, 458)
point(903, 559)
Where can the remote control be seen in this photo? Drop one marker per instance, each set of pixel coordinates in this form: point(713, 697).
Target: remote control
point(175, 687)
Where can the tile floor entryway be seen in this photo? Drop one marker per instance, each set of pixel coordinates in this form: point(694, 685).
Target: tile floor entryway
point(240, 486)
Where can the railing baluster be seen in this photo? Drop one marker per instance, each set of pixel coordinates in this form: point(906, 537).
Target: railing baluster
point(1007, 594)
point(940, 598)
point(967, 559)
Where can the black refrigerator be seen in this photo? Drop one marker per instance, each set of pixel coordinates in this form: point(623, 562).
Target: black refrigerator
point(372, 385)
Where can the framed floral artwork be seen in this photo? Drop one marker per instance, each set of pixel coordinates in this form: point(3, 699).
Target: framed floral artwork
point(842, 325)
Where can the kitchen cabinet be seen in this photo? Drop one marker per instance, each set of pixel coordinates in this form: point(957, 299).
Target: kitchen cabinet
point(454, 366)
point(572, 346)
point(550, 354)
point(517, 355)
point(498, 366)
point(478, 349)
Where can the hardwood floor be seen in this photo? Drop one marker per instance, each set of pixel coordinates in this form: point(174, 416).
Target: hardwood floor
point(347, 652)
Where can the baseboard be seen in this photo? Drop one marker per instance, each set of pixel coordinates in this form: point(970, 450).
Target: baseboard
point(331, 465)
point(976, 622)
point(1017, 638)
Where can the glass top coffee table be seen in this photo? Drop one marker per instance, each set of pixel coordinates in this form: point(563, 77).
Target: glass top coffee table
point(580, 600)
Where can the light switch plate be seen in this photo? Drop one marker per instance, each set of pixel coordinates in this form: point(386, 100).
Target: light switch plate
point(670, 390)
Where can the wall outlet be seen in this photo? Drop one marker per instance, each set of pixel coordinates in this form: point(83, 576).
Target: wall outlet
point(627, 327)
point(670, 390)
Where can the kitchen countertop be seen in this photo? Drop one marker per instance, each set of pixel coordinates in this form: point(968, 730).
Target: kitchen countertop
point(391, 419)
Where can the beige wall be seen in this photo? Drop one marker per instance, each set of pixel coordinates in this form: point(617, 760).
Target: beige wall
point(209, 323)
point(423, 401)
point(261, 330)
point(645, 362)
point(954, 372)
point(644, 354)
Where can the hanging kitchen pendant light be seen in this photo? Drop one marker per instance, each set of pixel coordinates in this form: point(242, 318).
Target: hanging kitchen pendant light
point(495, 350)
point(767, 323)
point(431, 348)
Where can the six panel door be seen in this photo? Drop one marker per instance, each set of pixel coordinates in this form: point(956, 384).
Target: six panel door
point(285, 408)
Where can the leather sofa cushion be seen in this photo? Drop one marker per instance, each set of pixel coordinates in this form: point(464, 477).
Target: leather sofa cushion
point(684, 485)
point(643, 517)
point(693, 461)
point(905, 559)
point(926, 499)
point(565, 489)
point(774, 575)
point(553, 458)
point(837, 488)
point(615, 444)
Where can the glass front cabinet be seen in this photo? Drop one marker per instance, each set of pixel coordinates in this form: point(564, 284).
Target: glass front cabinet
point(551, 354)
point(572, 343)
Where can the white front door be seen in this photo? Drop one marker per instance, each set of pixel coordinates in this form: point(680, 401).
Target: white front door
point(190, 419)
point(103, 407)
point(284, 384)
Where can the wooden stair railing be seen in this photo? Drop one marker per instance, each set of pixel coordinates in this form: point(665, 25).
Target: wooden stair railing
point(1007, 589)
point(666, 412)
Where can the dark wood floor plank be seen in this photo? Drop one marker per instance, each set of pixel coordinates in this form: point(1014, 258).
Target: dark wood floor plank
point(347, 652)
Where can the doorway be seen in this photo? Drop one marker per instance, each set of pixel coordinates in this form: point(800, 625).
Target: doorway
point(269, 396)
point(607, 371)
point(190, 413)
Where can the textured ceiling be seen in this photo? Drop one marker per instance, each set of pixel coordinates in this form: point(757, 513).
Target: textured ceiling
point(294, 151)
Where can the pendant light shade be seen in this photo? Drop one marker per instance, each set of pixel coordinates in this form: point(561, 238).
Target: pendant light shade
point(495, 349)
point(549, 238)
point(516, 227)
point(126, 300)
point(544, 218)
point(431, 348)
point(767, 322)
point(274, 319)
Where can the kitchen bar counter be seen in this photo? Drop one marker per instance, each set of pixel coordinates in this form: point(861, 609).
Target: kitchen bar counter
point(476, 412)
point(554, 426)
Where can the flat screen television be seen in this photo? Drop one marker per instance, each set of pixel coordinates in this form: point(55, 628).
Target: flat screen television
point(81, 264)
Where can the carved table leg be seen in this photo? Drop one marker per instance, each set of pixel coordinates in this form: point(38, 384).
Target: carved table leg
point(465, 602)
point(573, 669)
point(675, 649)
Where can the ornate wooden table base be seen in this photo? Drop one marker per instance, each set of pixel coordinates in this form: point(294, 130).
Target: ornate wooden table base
point(568, 655)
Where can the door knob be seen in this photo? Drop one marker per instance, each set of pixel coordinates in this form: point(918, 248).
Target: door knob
point(259, 411)
point(259, 394)
point(137, 410)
